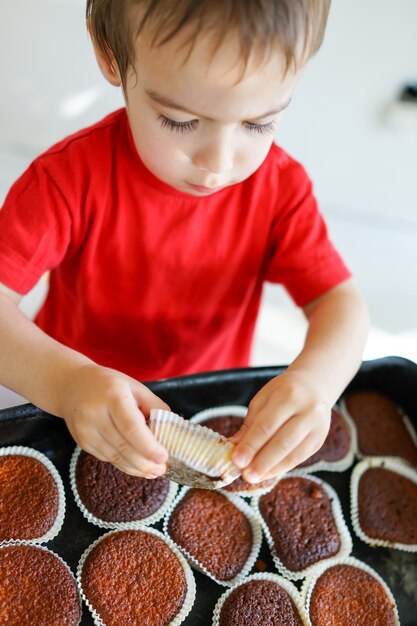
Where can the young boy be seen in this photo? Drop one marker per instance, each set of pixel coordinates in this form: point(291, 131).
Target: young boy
point(159, 226)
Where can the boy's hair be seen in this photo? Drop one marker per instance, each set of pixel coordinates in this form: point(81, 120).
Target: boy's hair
point(295, 26)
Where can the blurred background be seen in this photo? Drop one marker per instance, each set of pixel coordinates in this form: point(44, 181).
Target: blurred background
point(352, 123)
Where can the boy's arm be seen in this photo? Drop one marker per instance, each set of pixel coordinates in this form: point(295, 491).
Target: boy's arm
point(288, 419)
point(104, 409)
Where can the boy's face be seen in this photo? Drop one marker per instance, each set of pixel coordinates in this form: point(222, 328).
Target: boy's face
point(196, 123)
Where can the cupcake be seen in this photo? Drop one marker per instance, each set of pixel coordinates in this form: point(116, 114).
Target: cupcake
point(303, 524)
point(37, 588)
point(136, 577)
point(31, 495)
point(350, 593)
point(217, 533)
point(112, 499)
point(382, 427)
point(384, 503)
point(336, 453)
point(198, 457)
point(227, 421)
point(258, 600)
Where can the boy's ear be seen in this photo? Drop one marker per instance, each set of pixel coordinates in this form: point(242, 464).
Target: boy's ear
point(107, 64)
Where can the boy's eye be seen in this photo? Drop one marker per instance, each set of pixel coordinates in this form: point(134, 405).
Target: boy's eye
point(178, 127)
point(262, 129)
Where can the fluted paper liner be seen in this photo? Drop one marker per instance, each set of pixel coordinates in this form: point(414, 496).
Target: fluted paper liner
point(256, 538)
point(6, 544)
point(198, 457)
point(130, 525)
point(189, 577)
point(309, 583)
point(395, 464)
point(345, 538)
point(360, 455)
point(285, 584)
point(345, 462)
point(59, 520)
point(239, 411)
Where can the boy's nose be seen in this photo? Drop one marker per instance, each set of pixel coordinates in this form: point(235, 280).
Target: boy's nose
point(215, 159)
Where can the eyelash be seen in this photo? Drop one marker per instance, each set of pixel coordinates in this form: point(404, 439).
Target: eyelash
point(185, 127)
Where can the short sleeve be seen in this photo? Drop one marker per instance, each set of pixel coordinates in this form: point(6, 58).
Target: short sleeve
point(35, 229)
point(301, 256)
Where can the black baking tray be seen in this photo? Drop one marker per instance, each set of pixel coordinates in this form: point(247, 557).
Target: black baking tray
point(395, 376)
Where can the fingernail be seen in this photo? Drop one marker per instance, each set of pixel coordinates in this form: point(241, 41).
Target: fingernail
point(151, 476)
point(160, 457)
point(251, 477)
point(241, 460)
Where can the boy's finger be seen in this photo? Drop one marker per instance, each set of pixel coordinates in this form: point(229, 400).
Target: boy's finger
point(280, 446)
point(258, 432)
point(121, 454)
point(146, 399)
point(130, 422)
point(291, 461)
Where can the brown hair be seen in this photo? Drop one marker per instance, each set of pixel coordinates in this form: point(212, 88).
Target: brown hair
point(297, 26)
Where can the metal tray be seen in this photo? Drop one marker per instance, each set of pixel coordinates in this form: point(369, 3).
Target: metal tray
point(397, 377)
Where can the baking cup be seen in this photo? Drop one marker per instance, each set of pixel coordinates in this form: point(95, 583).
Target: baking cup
point(286, 585)
point(198, 457)
point(360, 455)
point(345, 462)
point(189, 577)
point(256, 538)
point(345, 538)
point(309, 583)
point(239, 411)
point(150, 519)
point(395, 464)
point(35, 454)
point(5, 544)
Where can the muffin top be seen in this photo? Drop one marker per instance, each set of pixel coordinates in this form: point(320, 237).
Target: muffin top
point(337, 442)
point(380, 426)
point(345, 595)
point(388, 506)
point(29, 498)
point(213, 530)
point(259, 603)
point(299, 515)
point(133, 578)
point(112, 495)
point(228, 425)
point(37, 589)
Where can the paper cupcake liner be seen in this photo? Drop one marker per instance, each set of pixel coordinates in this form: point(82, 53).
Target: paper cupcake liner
point(189, 577)
point(18, 542)
point(395, 464)
point(239, 411)
point(59, 520)
point(345, 538)
point(131, 525)
point(279, 580)
point(360, 455)
point(199, 457)
point(256, 539)
point(345, 462)
point(309, 583)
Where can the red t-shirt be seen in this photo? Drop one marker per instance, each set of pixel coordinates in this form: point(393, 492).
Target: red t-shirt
point(149, 280)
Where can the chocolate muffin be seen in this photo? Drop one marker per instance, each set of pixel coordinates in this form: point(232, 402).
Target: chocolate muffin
point(133, 578)
point(259, 602)
point(29, 498)
point(380, 426)
point(37, 589)
point(209, 527)
point(387, 503)
point(345, 595)
point(113, 496)
point(337, 442)
point(228, 425)
point(298, 513)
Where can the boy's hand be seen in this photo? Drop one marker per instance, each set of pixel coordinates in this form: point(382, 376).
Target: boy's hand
point(105, 413)
point(287, 421)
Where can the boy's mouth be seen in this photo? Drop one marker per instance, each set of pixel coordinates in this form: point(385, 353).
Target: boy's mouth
point(203, 189)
